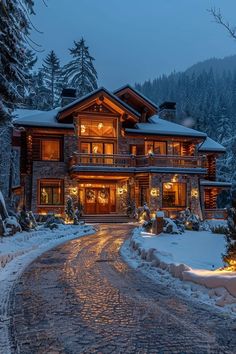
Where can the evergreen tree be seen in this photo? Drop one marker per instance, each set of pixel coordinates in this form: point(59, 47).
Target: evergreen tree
point(52, 71)
point(39, 97)
point(14, 29)
point(80, 73)
point(27, 88)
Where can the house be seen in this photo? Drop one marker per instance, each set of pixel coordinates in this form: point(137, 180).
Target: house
point(107, 149)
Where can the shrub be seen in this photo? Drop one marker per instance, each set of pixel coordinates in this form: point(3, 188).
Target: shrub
point(219, 229)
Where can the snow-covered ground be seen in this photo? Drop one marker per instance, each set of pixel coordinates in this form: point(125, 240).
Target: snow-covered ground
point(18, 251)
point(188, 263)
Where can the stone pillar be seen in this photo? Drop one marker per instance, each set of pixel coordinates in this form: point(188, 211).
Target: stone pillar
point(159, 223)
point(195, 204)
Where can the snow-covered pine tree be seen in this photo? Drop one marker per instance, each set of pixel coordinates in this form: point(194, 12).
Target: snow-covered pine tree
point(80, 73)
point(27, 87)
point(52, 72)
point(14, 29)
point(39, 97)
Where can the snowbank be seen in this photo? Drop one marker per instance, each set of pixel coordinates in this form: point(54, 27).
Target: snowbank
point(191, 257)
point(24, 242)
point(18, 251)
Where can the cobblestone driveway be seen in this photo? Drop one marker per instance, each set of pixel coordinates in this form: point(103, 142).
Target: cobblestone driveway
point(82, 298)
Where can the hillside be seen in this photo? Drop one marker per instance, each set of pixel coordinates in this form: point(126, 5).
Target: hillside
point(217, 65)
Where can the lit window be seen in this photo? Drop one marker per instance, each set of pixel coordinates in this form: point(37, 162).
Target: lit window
point(156, 147)
point(50, 150)
point(51, 192)
point(95, 127)
point(175, 148)
point(160, 147)
point(174, 195)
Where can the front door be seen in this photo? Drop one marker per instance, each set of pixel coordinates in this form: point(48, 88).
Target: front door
point(97, 200)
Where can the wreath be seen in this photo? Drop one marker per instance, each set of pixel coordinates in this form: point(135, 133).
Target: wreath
point(103, 196)
point(90, 194)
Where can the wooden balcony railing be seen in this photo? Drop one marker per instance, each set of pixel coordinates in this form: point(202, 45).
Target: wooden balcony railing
point(116, 160)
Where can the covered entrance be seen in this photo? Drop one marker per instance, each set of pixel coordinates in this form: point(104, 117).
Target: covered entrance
point(98, 198)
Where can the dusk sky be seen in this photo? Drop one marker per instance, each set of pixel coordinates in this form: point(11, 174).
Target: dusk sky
point(135, 40)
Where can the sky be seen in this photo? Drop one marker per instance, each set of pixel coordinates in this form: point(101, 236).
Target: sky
point(135, 40)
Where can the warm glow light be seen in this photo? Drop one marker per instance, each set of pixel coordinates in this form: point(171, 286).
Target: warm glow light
point(175, 178)
point(100, 125)
point(83, 128)
point(168, 185)
point(155, 192)
point(194, 193)
point(74, 190)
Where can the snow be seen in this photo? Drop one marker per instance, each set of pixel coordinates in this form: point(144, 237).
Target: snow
point(164, 127)
point(190, 263)
point(215, 183)
point(39, 118)
point(211, 145)
point(18, 251)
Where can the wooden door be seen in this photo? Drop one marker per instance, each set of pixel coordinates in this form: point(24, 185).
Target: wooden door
point(97, 200)
point(103, 200)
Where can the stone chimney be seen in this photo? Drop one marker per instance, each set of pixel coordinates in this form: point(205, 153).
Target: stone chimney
point(68, 95)
point(167, 110)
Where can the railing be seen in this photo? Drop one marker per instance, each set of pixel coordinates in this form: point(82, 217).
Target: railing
point(79, 159)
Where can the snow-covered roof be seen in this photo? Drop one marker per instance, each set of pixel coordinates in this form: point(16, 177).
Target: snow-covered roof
point(35, 118)
point(127, 86)
point(211, 145)
point(160, 126)
point(206, 183)
point(100, 89)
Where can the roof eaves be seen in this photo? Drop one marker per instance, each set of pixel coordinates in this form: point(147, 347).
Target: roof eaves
point(100, 89)
point(164, 133)
point(137, 93)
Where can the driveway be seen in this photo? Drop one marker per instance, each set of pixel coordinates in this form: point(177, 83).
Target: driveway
point(81, 297)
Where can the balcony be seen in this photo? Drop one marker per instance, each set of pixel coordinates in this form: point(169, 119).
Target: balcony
point(137, 163)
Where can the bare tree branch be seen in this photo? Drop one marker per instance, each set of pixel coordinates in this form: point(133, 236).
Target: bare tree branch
point(218, 17)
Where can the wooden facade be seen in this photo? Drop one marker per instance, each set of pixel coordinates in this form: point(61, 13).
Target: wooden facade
point(104, 152)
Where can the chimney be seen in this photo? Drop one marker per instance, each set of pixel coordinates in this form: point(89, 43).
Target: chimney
point(68, 95)
point(167, 110)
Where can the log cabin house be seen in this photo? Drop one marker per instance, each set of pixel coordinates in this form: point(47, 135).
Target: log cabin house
point(107, 149)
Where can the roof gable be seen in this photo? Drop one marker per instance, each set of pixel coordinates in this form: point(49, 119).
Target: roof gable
point(135, 99)
point(99, 96)
point(210, 145)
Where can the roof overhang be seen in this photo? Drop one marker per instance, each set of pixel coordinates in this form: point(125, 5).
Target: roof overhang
point(98, 96)
point(138, 99)
point(216, 184)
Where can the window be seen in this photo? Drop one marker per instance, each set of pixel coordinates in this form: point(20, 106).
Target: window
point(97, 149)
point(174, 195)
point(98, 128)
point(156, 147)
point(175, 148)
point(51, 192)
point(50, 150)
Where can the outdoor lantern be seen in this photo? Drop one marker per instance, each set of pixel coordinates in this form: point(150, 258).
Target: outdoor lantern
point(194, 193)
point(74, 190)
point(154, 192)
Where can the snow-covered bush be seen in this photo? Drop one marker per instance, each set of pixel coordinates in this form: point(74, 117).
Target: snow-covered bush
point(170, 227)
point(53, 221)
point(219, 229)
